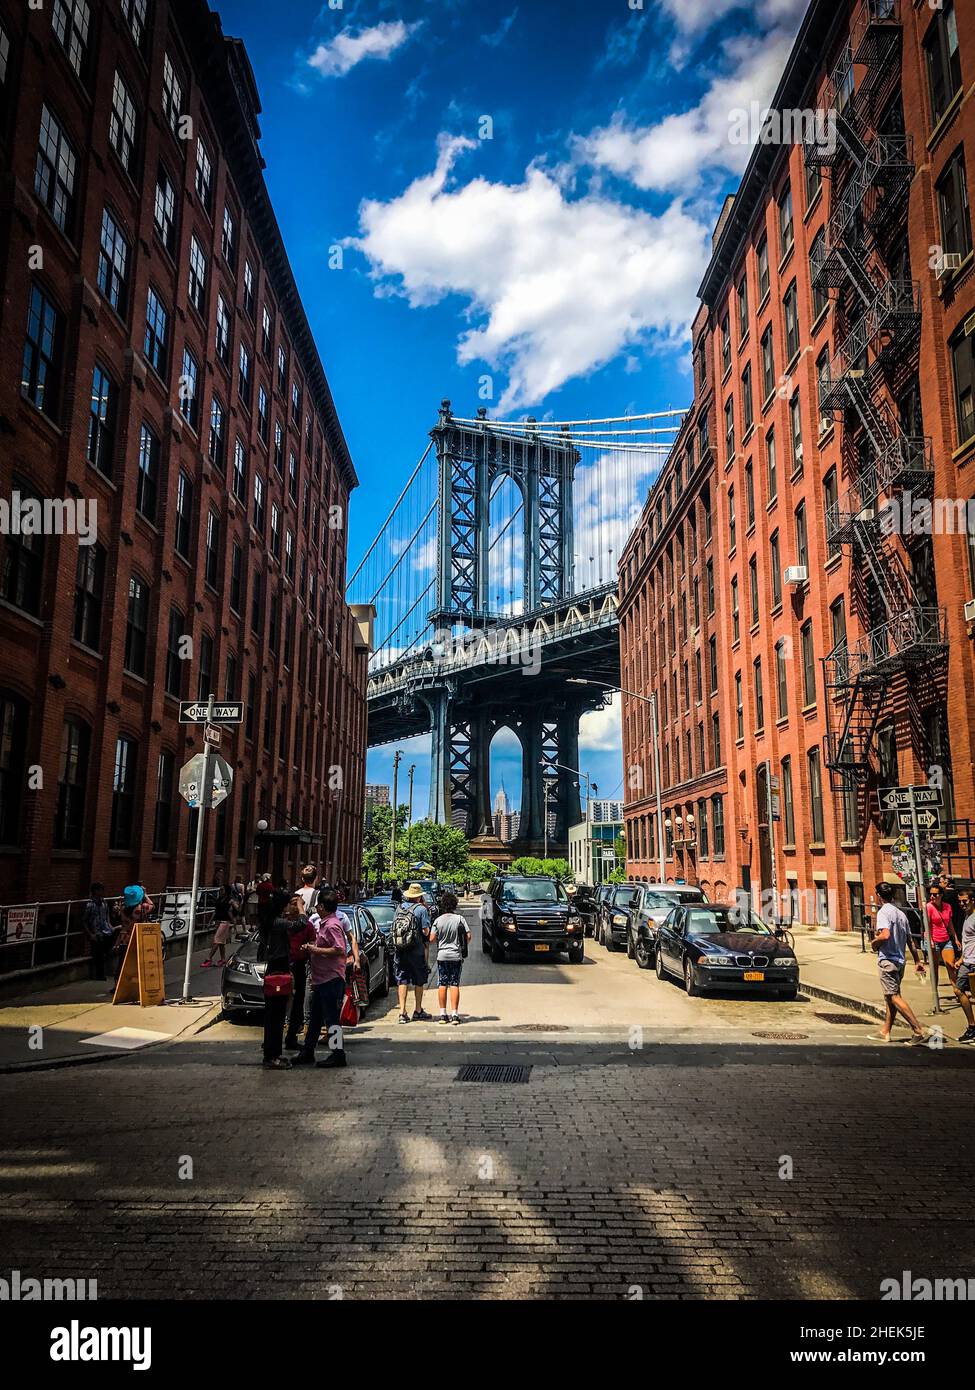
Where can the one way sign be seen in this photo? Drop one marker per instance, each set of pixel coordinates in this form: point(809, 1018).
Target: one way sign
point(897, 798)
point(195, 712)
point(926, 820)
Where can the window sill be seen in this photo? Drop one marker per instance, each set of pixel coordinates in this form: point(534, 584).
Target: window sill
point(787, 257)
point(817, 845)
point(8, 607)
point(748, 434)
point(765, 301)
point(947, 119)
point(88, 651)
point(814, 204)
point(826, 435)
point(820, 320)
point(782, 722)
point(768, 402)
point(965, 451)
point(833, 563)
point(809, 709)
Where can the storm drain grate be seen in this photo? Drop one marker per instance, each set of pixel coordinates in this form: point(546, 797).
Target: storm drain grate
point(497, 1075)
point(844, 1018)
point(540, 1028)
point(782, 1037)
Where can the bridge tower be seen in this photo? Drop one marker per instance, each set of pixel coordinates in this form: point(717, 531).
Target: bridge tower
point(473, 459)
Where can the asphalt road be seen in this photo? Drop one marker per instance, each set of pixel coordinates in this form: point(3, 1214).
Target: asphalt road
point(658, 1147)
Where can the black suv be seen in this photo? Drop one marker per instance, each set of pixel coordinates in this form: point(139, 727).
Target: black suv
point(520, 913)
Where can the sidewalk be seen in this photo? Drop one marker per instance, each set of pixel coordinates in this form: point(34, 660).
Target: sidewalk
point(833, 967)
point(78, 1023)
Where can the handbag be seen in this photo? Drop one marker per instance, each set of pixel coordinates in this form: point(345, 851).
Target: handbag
point(360, 990)
point(277, 985)
point(350, 1013)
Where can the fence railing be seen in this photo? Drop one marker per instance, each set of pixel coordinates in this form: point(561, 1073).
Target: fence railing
point(33, 935)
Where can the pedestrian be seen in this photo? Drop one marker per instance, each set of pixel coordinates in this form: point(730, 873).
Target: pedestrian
point(891, 940)
point(962, 983)
point(301, 932)
point(238, 894)
point(308, 892)
point(944, 940)
point(451, 934)
point(99, 931)
point(223, 912)
point(327, 957)
point(273, 950)
point(136, 907)
point(410, 936)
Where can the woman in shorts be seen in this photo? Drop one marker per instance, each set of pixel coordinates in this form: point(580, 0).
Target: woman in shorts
point(451, 934)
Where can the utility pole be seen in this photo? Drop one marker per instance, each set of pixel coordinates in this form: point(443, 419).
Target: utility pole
point(397, 759)
point(206, 792)
point(661, 850)
point(921, 904)
point(409, 823)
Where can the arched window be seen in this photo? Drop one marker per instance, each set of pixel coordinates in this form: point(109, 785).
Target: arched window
point(14, 713)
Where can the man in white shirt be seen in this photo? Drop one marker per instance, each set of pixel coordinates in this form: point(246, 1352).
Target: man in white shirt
point(891, 940)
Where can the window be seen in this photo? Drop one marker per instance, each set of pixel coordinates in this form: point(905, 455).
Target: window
point(709, 583)
point(963, 364)
point(55, 170)
point(236, 578)
point(830, 504)
point(263, 420)
point(102, 421)
point(782, 678)
point(223, 331)
point(775, 564)
point(217, 448)
point(267, 332)
point(162, 820)
point(786, 229)
point(713, 664)
point(275, 543)
point(795, 425)
point(735, 619)
point(204, 175)
point(289, 555)
point(822, 381)
point(69, 814)
point(249, 289)
point(814, 182)
point(14, 713)
point(739, 708)
point(279, 447)
point(211, 567)
point(771, 466)
point(788, 806)
point(172, 95)
point(802, 544)
point(293, 477)
point(164, 210)
point(136, 626)
point(790, 307)
point(808, 649)
point(743, 306)
point(764, 279)
point(257, 605)
point(189, 395)
point(198, 276)
point(71, 19)
point(759, 697)
point(956, 217)
point(174, 654)
point(817, 252)
point(717, 824)
point(88, 593)
point(156, 341)
point(295, 401)
point(240, 471)
point(715, 739)
point(244, 375)
point(726, 344)
point(851, 813)
point(228, 237)
point(732, 520)
point(147, 483)
point(113, 264)
point(753, 587)
point(123, 795)
point(729, 427)
point(41, 374)
point(184, 514)
point(259, 503)
point(768, 365)
point(943, 61)
point(135, 12)
point(123, 124)
point(282, 369)
point(747, 400)
point(815, 796)
point(4, 54)
point(750, 494)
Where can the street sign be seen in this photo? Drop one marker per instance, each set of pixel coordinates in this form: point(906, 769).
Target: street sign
point(775, 797)
point(926, 820)
point(195, 712)
point(211, 735)
point(223, 780)
point(893, 798)
point(191, 780)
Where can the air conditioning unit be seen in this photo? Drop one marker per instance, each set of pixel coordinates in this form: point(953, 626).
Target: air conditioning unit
point(970, 611)
point(949, 263)
point(797, 574)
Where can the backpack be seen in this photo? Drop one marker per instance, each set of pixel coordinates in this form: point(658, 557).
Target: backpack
point(404, 932)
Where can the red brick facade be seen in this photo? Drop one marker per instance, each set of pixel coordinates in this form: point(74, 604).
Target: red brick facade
point(145, 180)
point(783, 461)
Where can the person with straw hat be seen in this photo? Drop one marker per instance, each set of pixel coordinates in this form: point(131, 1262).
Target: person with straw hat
point(410, 934)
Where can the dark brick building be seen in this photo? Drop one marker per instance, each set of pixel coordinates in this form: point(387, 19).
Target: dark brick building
point(155, 360)
point(836, 342)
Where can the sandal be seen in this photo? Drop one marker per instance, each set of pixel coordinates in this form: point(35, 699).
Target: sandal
point(279, 1064)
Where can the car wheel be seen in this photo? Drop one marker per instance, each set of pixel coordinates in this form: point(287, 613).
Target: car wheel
point(789, 993)
point(497, 952)
point(690, 984)
point(643, 954)
point(629, 946)
point(484, 943)
point(383, 989)
point(658, 963)
point(610, 943)
point(577, 954)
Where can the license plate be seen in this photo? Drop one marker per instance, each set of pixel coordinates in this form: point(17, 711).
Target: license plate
point(754, 974)
point(541, 948)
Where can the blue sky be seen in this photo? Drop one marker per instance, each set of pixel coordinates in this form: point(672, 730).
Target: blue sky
point(560, 256)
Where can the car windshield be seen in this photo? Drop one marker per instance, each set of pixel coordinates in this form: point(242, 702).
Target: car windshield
point(627, 897)
point(711, 921)
point(532, 891)
point(658, 899)
point(381, 913)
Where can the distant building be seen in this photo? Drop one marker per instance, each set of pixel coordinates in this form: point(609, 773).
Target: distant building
point(376, 795)
point(506, 821)
point(597, 867)
point(602, 811)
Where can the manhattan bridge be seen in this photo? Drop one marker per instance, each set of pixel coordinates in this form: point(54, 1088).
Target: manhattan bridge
point(494, 581)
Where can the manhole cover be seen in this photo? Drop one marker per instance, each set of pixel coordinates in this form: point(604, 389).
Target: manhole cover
point(844, 1018)
point(539, 1028)
point(499, 1075)
point(782, 1037)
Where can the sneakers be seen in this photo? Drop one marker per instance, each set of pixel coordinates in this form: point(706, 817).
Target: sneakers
point(444, 1018)
point(404, 1018)
point(334, 1059)
point(968, 1036)
point(303, 1059)
point(421, 1016)
point(455, 1018)
point(918, 1040)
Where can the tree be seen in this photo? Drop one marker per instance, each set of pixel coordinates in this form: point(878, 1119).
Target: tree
point(443, 846)
point(559, 869)
point(529, 865)
point(375, 838)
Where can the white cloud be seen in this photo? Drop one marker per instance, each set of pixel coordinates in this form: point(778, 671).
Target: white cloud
point(694, 16)
point(556, 287)
point(499, 35)
point(673, 153)
point(600, 730)
point(352, 46)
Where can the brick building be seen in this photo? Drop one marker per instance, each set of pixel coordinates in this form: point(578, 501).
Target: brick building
point(157, 362)
point(834, 354)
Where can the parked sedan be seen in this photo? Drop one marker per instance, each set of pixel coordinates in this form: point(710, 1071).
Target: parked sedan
point(724, 948)
point(382, 910)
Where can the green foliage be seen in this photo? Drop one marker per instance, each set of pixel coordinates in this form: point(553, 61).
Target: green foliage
point(617, 876)
point(559, 869)
point(375, 838)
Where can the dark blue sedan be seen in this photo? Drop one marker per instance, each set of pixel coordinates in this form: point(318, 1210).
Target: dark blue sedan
point(712, 947)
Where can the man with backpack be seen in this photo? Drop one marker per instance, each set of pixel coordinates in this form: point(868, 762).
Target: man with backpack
point(410, 937)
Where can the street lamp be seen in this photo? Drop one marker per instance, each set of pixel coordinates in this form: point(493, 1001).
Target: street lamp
point(590, 789)
point(650, 700)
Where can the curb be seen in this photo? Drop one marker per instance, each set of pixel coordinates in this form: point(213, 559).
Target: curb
point(846, 1001)
point(83, 1059)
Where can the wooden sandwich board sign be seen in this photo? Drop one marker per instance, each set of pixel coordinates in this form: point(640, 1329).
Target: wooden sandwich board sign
point(141, 977)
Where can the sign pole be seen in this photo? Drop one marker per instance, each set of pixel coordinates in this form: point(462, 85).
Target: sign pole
point(661, 851)
point(205, 793)
point(922, 905)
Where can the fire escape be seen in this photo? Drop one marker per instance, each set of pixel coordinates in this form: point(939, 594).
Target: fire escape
point(871, 173)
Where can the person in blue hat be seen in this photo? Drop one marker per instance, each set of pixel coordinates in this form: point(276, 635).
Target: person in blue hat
point(136, 906)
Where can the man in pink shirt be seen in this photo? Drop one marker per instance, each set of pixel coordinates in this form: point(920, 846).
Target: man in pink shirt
point(326, 968)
